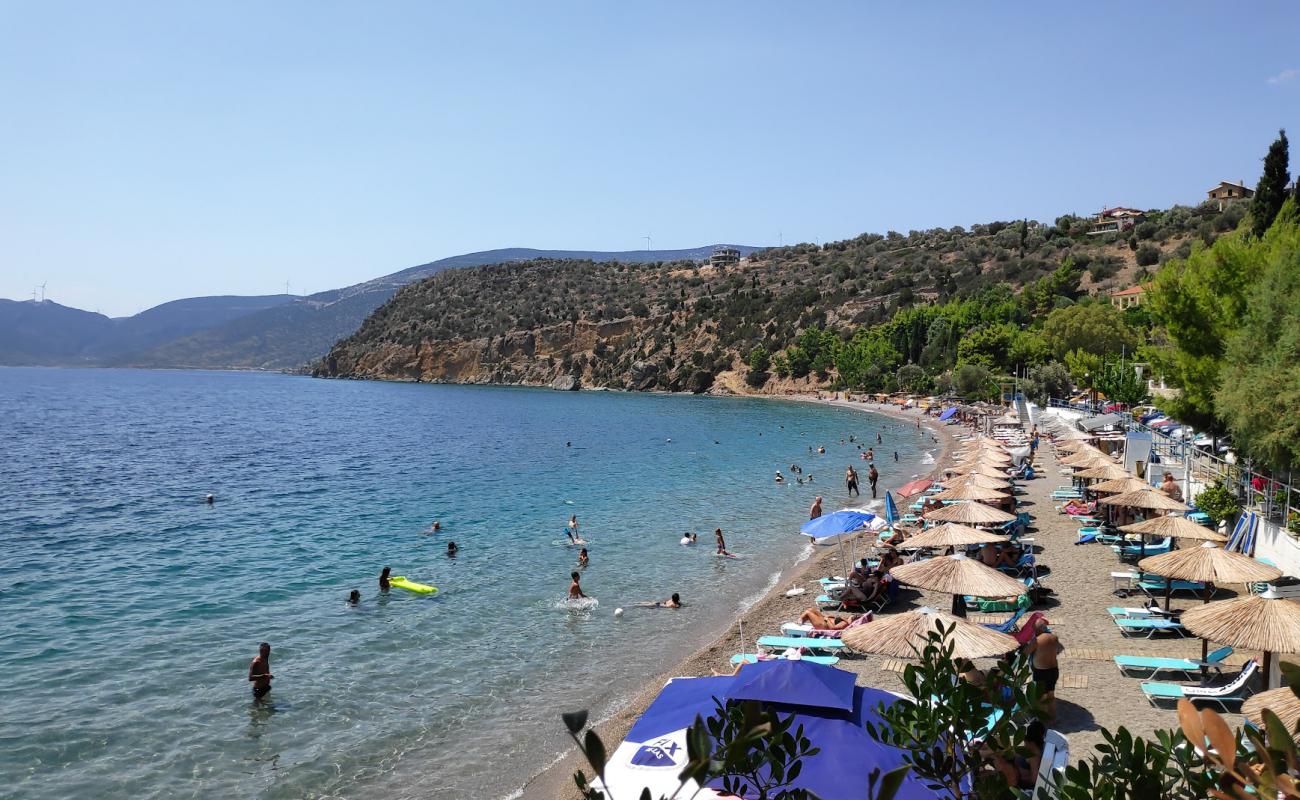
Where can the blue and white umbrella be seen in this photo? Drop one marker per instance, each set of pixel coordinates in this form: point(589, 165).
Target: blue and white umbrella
point(832, 710)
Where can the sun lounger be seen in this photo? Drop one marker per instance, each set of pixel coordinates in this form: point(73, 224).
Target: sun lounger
point(750, 658)
point(1140, 613)
point(1234, 692)
point(1155, 666)
point(1009, 625)
point(1155, 586)
point(1051, 769)
point(800, 630)
point(1149, 627)
point(1137, 550)
point(798, 642)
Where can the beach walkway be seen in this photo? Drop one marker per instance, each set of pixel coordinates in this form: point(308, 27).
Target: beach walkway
point(1092, 693)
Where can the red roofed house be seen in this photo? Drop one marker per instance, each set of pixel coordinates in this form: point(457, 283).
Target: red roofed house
point(1116, 220)
point(1127, 298)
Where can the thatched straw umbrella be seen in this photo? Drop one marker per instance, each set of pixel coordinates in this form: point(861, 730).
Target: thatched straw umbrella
point(1085, 458)
point(969, 514)
point(1282, 702)
point(906, 636)
point(1177, 527)
point(971, 493)
point(1209, 563)
point(1147, 498)
point(987, 470)
point(951, 535)
point(984, 481)
point(958, 576)
point(1120, 485)
point(1106, 472)
point(1262, 622)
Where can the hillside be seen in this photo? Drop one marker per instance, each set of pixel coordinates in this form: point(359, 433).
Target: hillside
point(263, 332)
point(681, 326)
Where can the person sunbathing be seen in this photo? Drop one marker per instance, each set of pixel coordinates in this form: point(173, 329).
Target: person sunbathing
point(989, 556)
point(820, 621)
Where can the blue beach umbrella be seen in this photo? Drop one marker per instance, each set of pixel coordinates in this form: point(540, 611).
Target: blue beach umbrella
point(837, 524)
point(947, 414)
point(891, 510)
point(824, 700)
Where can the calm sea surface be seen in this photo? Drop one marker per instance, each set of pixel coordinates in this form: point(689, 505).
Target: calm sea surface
point(132, 608)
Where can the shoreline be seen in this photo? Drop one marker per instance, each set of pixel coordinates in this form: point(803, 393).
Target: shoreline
point(555, 782)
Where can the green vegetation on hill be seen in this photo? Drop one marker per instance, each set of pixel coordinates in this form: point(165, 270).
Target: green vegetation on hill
point(850, 313)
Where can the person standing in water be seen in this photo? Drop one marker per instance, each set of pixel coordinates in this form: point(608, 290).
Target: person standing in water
point(871, 454)
point(572, 530)
point(383, 579)
point(452, 549)
point(722, 543)
point(259, 672)
point(575, 588)
point(583, 559)
point(878, 439)
point(872, 477)
point(816, 510)
point(851, 481)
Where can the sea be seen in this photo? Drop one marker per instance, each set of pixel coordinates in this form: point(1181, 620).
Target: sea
point(132, 607)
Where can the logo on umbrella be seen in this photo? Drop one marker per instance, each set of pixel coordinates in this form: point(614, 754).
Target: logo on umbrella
point(659, 753)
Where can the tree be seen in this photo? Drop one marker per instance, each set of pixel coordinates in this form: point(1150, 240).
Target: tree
point(972, 381)
point(759, 359)
point(912, 378)
point(1199, 304)
point(1147, 255)
point(1259, 393)
point(1271, 190)
point(1097, 328)
point(1118, 379)
point(1046, 381)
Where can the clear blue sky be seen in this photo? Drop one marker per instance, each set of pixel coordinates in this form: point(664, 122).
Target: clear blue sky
point(151, 151)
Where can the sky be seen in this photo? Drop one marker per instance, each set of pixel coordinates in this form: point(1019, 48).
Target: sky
point(153, 151)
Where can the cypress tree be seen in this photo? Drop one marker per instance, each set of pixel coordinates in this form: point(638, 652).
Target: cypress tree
point(1271, 191)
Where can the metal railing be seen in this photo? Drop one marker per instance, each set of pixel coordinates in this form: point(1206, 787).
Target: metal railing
point(1267, 495)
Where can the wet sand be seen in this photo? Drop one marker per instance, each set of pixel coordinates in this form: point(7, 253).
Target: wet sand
point(763, 618)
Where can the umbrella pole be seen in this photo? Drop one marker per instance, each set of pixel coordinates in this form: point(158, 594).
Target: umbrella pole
point(1169, 591)
point(1268, 666)
point(1205, 643)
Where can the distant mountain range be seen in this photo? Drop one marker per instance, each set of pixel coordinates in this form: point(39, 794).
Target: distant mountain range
point(263, 332)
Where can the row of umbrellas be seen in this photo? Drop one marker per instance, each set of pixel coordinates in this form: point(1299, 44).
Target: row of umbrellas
point(1261, 622)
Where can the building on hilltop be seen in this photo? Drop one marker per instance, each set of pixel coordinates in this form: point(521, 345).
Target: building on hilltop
point(1116, 220)
point(724, 256)
point(1227, 190)
point(1127, 298)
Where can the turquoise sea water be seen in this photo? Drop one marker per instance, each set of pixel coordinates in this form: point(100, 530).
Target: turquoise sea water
point(132, 608)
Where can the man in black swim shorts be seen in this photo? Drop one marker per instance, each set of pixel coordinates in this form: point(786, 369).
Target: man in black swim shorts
point(259, 672)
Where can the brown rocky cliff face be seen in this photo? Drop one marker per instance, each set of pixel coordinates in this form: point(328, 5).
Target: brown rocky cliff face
point(534, 357)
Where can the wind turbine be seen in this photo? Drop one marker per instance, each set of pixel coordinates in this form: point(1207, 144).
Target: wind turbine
point(43, 292)
point(647, 241)
point(286, 286)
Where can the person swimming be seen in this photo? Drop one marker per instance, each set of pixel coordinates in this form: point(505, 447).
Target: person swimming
point(779, 477)
point(686, 541)
point(452, 549)
point(583, 559)
point(211, 498)
point(436, 526)
point(354, 597)
point(673, 602)
point(575, 588)
point(383, 579)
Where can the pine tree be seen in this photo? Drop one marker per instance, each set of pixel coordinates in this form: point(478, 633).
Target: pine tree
point(1271, 191)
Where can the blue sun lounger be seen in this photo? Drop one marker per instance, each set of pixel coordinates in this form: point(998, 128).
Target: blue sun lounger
point(750, 658)
point(1155, 586)
point(800, 642)
point(1155, 666)
point(1234, 692)
point(1149, 627)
